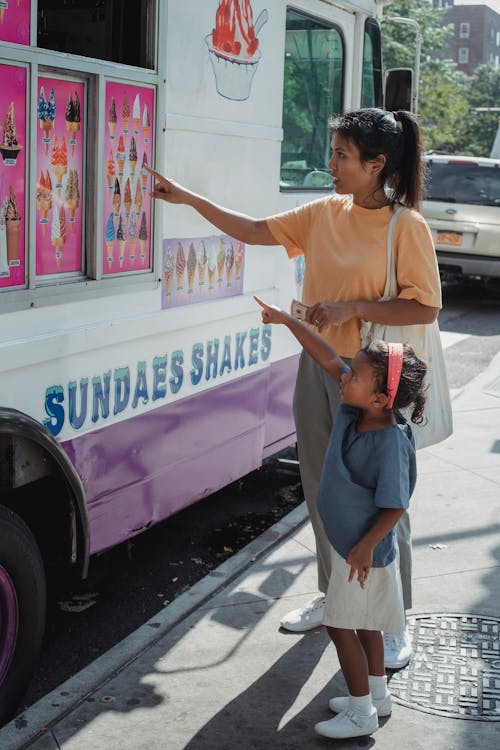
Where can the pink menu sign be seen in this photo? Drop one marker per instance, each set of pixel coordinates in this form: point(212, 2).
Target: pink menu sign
point(59, 162)
point(127, 204)
point(12, 175)
point(15, 21)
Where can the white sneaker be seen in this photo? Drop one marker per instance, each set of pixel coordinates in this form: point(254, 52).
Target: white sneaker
point(397, 650)
point(307, 617)
point(383, 705)
point(348, 724)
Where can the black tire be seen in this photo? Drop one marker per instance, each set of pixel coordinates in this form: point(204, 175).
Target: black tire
point(21, 567)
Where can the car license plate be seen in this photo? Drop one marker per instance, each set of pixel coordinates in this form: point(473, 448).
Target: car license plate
point(449, 238)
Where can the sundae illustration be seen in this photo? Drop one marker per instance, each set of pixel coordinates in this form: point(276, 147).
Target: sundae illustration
point(13, 229)
point(125, 112)
point(58, 234)
point(73, 120)
point(168, 270)
point(234, 47)
point(180, 265)
point(212, 266)
point(120, 155)
point(110, 238)
point(46, 114)
point(132, 156)
point(191, 267)
point(229, 265)
point(10, 148)
point(72, 196)
point(132, 236)
point(44, 198)
point(146, 124)
point(112, 118)
point(143, 237)
point(110, 170)
point(127, 197)
point(144, 174)
point(120, 238)
point(238, 259)
point(117, 196)
point(221, 260)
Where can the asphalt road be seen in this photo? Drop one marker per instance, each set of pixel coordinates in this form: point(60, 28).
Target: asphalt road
point(130, 583)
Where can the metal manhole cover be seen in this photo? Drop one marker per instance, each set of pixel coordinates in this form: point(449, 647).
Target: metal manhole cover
point(455, 668)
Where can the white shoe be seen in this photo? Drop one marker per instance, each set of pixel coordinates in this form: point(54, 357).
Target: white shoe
point(397, 650)
point(348, 724)
point(307, 617)
point(383, 705)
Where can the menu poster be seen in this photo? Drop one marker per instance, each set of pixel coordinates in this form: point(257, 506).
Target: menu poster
point(15, 21)
point(12, 175)
point(128, 142)
point(200, 269)
point(59, 159)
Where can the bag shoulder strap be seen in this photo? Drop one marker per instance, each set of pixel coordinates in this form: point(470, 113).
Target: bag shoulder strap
point(391, 287)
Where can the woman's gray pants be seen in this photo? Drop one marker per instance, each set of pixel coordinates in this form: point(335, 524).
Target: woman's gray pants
point(315, 402)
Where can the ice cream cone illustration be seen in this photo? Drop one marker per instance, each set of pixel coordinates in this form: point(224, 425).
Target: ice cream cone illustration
point(117, 196)
point(13, 229)
point(120, 155)
point(229, 264)
point(202, 264)
point(46, 122)
point(110, 239)
point(144, 174)
point(146, 125)
point(136, 113)
point(238, 260)
point(59, 162)
point(180, 265)
point(120, 238)
point(125, 112)
point(212, 266)
point(127, 197)
point(138, 198)
point(73, 120)
point(132, 156)
point(4, 264)
point(132, 236)
point(110, 170)
point(44, 198)
point(72, 196)
point(221, 259)
point(191, 267)
point(112, 118)
point(10, 148)
point(56, 238)
point(168, 270)
point(143, 238)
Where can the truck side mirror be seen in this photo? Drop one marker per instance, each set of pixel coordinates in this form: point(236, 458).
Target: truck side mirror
point(398, 89)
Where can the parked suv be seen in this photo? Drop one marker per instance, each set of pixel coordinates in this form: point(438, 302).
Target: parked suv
point(462, 208)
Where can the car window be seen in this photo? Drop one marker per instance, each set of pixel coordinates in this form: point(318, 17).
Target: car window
point(463, 183)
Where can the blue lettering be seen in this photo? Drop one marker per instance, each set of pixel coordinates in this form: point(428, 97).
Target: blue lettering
point(253, 357)
point(212, 359)
point(177, 371)
point(265, 349)
point(122, 389)
point(239, 359)
point(101, 396)
point(226, 356)
point(141, 386)
point(54, 396)
point(76, 420)
point(159, 377)
point(197, 362)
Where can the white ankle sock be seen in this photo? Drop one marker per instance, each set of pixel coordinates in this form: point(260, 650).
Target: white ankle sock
point(361, 704)
point(378, 686)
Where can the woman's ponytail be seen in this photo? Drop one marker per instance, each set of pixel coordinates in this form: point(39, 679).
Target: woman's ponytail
point(408, 180)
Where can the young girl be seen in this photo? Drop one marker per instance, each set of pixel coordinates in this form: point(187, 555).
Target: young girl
point(368, 476)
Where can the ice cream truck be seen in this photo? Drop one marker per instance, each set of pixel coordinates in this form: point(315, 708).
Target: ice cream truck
point(136, 376)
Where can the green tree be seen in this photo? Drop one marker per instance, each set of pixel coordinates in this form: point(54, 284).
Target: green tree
point(443, 107)
point(398, 40)
point(483, 90)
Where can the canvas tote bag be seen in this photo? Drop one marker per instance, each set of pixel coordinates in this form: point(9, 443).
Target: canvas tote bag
point(426, 341)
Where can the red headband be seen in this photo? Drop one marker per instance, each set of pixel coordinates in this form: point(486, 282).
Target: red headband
point(394, 367)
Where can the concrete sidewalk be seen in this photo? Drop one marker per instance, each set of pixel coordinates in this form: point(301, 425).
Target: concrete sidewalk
point(213, 670)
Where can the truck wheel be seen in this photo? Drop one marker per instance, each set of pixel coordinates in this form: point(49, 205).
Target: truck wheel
point(23, 602)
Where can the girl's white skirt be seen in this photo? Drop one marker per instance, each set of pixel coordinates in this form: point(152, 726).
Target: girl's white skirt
point(379, 606)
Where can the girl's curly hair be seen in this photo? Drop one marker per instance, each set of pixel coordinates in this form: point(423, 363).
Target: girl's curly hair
point(412, 386)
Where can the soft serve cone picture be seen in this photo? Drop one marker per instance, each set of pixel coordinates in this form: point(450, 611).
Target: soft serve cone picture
point(234, 47)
